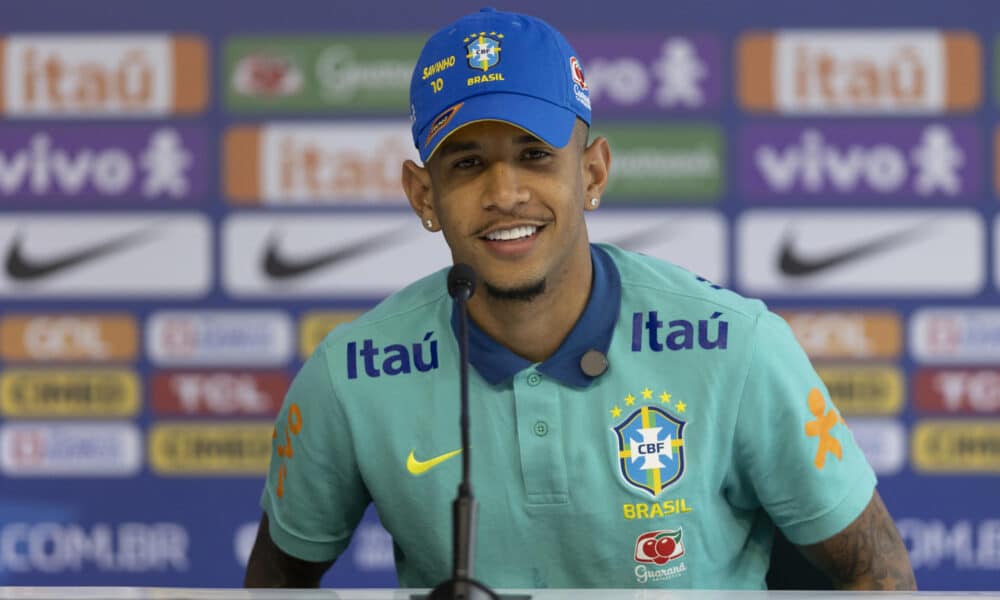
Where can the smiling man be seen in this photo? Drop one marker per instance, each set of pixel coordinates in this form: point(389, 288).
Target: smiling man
point(633, 425)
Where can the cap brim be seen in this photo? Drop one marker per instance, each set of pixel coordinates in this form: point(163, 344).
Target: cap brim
point(546, 121)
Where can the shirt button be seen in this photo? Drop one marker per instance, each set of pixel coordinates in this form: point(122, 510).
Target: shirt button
point(541, 428)
point(534, 379)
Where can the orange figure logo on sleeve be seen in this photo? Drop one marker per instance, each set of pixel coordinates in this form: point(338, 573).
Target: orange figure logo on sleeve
point(820, 427)
point(285, 450)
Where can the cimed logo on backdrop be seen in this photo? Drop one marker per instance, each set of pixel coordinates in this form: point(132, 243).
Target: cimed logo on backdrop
point(650, 442)
point(483, 49)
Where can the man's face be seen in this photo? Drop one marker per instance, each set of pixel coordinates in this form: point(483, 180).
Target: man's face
point(511, 206)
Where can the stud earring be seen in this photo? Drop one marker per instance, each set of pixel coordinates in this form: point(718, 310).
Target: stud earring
point(429, 224)
point(594, 202)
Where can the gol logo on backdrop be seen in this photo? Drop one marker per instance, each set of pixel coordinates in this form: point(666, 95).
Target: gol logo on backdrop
point(847, 334)
point(109, 337)
point(111, 75)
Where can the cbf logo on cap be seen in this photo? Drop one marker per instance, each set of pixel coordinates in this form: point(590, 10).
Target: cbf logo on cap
point(484, 51)
point(497, 66)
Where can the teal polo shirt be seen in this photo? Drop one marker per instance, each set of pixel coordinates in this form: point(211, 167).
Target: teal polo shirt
point(670, 469)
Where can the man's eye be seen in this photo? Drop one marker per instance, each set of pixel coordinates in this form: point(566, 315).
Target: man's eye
point(536, 154)
point(466, 163)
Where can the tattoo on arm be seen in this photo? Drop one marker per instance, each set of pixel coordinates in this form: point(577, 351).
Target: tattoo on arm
point(868, 554)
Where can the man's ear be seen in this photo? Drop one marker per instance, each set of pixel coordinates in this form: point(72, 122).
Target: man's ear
point(416, 182)
point(596, 165)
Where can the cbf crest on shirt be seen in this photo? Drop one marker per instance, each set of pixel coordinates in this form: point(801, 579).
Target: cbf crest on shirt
point(650, 443)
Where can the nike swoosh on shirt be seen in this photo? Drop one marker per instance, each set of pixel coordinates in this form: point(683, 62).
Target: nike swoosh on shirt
point(278, 266)
point(794, 265)
point(21, 268)
point(419, 467)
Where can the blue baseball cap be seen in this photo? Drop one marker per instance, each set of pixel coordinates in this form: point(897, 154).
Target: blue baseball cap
point(497, 66)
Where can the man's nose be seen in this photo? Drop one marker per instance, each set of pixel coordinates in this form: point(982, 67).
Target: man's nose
point(503, 187)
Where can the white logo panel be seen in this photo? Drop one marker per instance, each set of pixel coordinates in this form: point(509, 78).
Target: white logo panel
point(955, 335)
point(327, 255)
point(105, 255)
point(856, 253)
point(694, 239)
point(883, 442)
point(219, 337)
point(70, 449)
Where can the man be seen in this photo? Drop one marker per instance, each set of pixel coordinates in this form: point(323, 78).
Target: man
point(632, 424)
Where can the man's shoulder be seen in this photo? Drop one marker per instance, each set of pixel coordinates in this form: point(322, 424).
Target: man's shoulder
point(415, 306)
point(648, 279)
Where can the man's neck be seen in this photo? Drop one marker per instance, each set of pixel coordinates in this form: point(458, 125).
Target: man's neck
point(535, 329)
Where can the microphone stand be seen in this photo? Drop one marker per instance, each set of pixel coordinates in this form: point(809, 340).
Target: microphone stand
point(461, 586)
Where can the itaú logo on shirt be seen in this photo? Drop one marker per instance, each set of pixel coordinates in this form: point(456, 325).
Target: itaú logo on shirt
point(394, 359)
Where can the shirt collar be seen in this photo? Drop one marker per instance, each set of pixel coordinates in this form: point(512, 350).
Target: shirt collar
point(592, 331)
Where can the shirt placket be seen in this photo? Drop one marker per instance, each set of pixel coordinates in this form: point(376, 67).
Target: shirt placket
point(540, 438)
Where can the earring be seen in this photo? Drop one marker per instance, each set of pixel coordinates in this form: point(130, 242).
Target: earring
point(594, 202)
point(429, 224)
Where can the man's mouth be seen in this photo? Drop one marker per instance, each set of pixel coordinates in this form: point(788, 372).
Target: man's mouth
point(513, 233)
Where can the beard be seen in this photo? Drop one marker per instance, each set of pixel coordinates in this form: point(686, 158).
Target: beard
point(524, 293)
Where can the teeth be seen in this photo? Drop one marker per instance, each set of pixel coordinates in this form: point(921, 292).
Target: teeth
point(514, 233)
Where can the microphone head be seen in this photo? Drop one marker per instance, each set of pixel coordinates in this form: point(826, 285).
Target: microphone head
point(461, 281)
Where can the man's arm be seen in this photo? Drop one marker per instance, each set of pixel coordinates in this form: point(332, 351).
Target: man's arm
point(270, 566)
point(868, 555)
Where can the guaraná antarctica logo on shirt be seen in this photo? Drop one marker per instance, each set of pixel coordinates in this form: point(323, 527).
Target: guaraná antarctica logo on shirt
point(661, 548)
point(650, 441)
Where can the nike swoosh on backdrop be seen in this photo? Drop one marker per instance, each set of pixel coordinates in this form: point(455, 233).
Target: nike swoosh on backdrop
point(21, 268)
point(793, 265)
point(641, 238)
point(277, 266)
point(419, 467)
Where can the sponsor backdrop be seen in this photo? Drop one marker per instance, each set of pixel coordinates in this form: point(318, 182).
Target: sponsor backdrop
point(192, 194)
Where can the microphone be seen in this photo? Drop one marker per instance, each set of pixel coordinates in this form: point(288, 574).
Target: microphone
point(461, 586)
point(461, 283)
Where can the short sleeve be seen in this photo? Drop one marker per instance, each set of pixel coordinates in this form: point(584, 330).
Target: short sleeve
point(314, 496)
point(793, 450)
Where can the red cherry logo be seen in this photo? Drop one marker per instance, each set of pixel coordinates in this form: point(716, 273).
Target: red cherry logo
point(665, 547)
point(649, 547)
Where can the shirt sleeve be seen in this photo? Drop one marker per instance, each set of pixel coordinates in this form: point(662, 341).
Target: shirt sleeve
point(794, 452)
point(314, 496)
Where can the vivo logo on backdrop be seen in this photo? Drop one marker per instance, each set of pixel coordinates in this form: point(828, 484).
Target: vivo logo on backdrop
point(931, 161)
